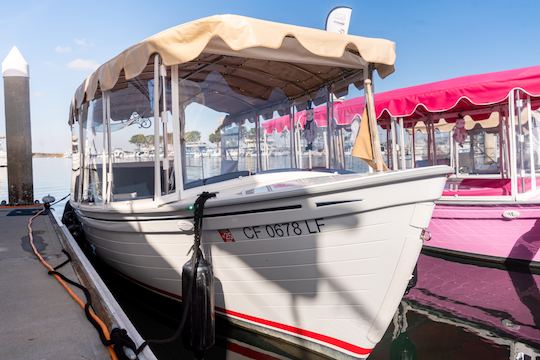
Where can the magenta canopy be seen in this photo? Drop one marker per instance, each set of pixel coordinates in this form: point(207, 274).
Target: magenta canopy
point(344, 113)
point(458, 94)
point(464, 93)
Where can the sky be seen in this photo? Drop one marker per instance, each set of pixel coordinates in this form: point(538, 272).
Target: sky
point(64, 41)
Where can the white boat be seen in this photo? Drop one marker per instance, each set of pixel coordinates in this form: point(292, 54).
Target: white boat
point(320, 258)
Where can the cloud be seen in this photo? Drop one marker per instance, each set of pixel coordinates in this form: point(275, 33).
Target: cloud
point(82, 42)
point(83, 64)
point(62, 49)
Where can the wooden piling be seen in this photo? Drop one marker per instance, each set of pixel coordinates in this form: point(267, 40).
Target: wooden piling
point(18, 129)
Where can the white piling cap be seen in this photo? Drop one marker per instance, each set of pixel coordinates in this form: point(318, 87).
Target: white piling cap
point(14, 64)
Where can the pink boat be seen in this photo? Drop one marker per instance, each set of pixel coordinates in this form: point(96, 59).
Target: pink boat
point(487, 127)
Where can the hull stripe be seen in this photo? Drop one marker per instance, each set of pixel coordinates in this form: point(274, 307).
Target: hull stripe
point(272, 324)
point(249, 353)
point(305, 333)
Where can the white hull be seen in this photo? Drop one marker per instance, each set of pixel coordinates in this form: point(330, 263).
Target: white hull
point(332, 284)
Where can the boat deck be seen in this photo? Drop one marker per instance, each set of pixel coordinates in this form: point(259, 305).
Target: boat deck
point(39, 318)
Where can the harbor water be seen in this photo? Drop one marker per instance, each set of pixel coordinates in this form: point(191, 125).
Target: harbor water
point(455, 311)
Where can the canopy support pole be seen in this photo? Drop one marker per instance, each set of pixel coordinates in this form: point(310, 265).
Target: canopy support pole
point(521, 139)
point(157, 167)
point(531, 144)
point(433, 139)
point(413, 165)
point(452, 147)
point(393, 131)
point(375, 142)
point(104, 150)
point(110, 174)
point(177, 133)
point(258, 141)
point(330, 148)
point(292, 137)
point(164, 120)
point(82, 151)
point(266, 152)
point(402, 152)
point(298, 145)
point(512, 141)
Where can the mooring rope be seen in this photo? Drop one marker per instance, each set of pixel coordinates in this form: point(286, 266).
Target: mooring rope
point(101, 327)
point(186, 298)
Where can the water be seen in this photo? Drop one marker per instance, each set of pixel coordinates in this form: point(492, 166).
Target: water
point(455, 311)
point(51, 176)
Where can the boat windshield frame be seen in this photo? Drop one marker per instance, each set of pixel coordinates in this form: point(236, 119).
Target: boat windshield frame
point(169, 163)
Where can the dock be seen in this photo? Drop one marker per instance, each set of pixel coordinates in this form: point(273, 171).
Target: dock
point(39, 319)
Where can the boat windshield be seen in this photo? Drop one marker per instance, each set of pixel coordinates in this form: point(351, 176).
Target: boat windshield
point(228, 133)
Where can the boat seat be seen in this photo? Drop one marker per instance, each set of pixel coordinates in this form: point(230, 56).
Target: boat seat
point(133, 180)
point(484, 187)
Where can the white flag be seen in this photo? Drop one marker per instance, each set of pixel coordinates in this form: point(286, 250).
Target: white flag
point(338, 20)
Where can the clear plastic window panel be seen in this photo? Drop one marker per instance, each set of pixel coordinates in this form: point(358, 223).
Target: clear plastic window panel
point(75, 161)
point(132, 139)
point(275, 142)
point(92, 122)
point(524, 144)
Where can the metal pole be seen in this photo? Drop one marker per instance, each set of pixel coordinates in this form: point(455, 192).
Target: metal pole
point(292, 135)
point(178, 160)
point(402, 151)
point(164, 120)
point(512, 141)
point(330, 153)
point(531, 144)
point(298, 145)
point(413, 165)
point(393, 132)
point(104, 149)
point(258, 141)
point(521, 140)
point(18, 128)
point(107, 98)
point(157, 165)
point(82, 151)
point(452, 148)
point(433, 140)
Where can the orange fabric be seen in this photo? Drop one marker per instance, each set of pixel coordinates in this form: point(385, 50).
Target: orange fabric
point(362, 145)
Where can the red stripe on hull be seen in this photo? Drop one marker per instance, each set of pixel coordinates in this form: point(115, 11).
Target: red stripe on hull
point(310, 334)
point(249, 353)
point(272, 324)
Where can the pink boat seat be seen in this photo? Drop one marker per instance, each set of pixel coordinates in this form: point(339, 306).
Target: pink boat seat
point(483, 187)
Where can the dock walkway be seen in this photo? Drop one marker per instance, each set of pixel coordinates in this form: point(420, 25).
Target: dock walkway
point(39, 320)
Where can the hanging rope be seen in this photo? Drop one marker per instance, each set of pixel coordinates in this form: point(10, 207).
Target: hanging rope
point(186, 298)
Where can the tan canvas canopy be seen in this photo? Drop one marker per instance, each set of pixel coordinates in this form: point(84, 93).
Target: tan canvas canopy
point(250, 54)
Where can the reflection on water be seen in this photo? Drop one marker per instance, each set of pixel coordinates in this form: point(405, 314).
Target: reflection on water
point(466, 311)
point(456, 311)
